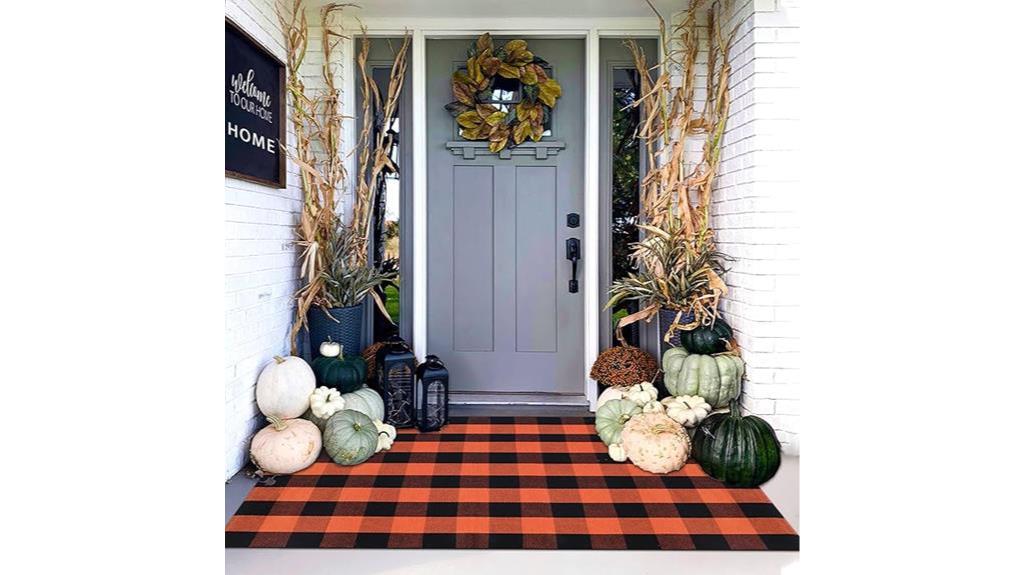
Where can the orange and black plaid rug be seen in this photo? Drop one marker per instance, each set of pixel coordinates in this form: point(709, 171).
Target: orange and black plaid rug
point(505, 483)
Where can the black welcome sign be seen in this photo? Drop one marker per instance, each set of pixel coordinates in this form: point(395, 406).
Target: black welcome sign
point(254, 111)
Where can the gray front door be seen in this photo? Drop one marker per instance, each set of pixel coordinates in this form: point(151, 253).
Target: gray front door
point(499, 309)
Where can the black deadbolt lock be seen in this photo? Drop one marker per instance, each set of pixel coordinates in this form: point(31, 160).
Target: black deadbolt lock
point(572, 220)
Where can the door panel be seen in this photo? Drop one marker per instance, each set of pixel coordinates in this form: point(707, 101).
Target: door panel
point(499, 310)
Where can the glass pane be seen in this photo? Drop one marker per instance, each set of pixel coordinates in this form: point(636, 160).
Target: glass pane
point(387, 214)
point(625, 160)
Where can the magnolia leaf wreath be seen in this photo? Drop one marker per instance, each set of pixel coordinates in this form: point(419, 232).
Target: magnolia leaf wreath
point(472, 88)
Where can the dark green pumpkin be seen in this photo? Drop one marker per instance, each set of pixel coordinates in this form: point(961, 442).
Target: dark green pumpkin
point(344, 374)
point(739, 451)
point(707, 339)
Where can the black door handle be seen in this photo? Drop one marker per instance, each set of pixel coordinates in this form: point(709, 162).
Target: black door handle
point(572, 253)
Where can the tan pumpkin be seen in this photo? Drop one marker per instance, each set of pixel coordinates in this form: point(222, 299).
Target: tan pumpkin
point(284, 387)
point(655, 443)
point(285, 446)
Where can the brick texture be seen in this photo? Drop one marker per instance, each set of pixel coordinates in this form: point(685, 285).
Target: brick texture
point(755, 212)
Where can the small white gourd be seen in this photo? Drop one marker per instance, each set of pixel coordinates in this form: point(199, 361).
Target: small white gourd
point(386, 435)
point(325, 401)
point(330, 349)
point(616, 452)
point(687, 410)
point(642, 393)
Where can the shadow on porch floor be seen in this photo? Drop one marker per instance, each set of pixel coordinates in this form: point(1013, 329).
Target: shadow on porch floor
point(783, 490)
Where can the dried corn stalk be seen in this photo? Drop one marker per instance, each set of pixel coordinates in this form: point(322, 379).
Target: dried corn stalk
point(317, 121)
point(679, 265)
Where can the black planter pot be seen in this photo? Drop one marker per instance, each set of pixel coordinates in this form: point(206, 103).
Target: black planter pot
point(665, 318)
point(347, 330)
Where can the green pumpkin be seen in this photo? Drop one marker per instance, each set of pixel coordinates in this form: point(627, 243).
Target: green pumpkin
point(350, 437)
point(707, 339)
point(716, 378)
point(342, 373)
point(739, 451)
point(612, 416)
point(366, 401)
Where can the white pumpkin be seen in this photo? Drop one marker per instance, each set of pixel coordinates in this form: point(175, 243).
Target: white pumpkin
point(331, 349)
point(608, 395)
point(655, 443)
point(616, 452)
point(687, 410)
point(284, 386)
point(386, 435)
point(325, 401)
point(285, 446)
point(642, 393)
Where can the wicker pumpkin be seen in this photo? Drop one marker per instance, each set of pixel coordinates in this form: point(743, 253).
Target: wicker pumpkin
point(623, 366)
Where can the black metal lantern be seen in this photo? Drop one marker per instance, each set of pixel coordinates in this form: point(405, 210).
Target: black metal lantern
point(396, 367)
point(432, 387)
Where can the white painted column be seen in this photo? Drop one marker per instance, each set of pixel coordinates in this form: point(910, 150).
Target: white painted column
point(419, 191)
point(591, 209)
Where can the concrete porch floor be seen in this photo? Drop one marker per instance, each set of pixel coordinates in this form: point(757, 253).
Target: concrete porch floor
point(783, 490)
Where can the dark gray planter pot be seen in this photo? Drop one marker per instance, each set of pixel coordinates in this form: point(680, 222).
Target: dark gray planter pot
point(665, 318)
point(346, 328)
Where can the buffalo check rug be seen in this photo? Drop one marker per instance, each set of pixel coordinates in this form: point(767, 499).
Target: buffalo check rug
point(505, 483)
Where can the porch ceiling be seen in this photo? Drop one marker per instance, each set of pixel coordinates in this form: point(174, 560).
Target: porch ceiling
point(508, 8)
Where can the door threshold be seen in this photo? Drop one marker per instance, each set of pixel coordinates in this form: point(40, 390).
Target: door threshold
point(534, 399)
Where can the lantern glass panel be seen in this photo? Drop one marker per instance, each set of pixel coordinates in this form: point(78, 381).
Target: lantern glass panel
point(437, 412)
point(398, 382)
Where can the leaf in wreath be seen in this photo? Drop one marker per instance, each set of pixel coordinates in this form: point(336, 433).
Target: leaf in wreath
point(499, 138)
point(520, 58)
point(473, 71)
point(528, 75)
point(456, 108)
point(484, 95)
point(536, 131)
point(549, 92)
point(540, 61)
point(496, 118)
point(508, 71)
point(513, 46)
point(460, 76)
point(538, 70)
point(530, 92)
point(469, 119)
point(474, 133)
point(484, 42)
point(490, 65)
point(463, 93)
point(525, 110)
point(521, 131)
point(485, 110)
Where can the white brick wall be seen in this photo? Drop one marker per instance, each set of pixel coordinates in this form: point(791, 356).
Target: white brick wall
point(260, 267)
point(755, 212)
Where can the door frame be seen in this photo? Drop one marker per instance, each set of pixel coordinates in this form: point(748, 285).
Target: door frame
point(591, 30)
